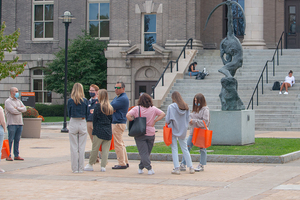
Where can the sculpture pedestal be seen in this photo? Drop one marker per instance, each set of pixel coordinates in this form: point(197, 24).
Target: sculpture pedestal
point(232, 127)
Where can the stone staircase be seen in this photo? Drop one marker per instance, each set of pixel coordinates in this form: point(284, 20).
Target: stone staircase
point(274, 113)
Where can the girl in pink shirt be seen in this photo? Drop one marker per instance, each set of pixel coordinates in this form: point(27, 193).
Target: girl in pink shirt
point(145, 142)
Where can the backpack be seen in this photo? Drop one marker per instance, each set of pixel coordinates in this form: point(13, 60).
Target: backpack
point(276, 85)
point(200, 75)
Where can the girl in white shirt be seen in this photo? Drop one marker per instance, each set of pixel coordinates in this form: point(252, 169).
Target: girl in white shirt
point(288, 82)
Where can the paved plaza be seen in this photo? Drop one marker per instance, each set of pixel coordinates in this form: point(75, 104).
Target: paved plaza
point(46, 174)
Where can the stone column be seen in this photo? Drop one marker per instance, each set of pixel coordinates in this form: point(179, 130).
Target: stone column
point(254, 11)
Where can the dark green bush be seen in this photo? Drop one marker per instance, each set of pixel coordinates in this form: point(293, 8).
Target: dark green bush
point(50, 110)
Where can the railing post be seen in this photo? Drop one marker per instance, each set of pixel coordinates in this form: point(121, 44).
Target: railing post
point(267, 80)
point(257, 94)
point(162, 80)
point(177, 65)
point(184, 53)
point(191, 43)
point(273, 67)
point(281, 44)
point(262, 84)
point(277, 57)
point(252, 103)
point(171, 66)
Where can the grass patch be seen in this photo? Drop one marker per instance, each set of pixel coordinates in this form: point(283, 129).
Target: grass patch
point(55, 119)
point(262, 146)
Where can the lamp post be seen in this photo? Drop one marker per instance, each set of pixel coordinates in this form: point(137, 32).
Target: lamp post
point(67, 19)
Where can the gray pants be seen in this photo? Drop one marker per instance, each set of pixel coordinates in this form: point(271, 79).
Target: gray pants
point(145, 145)
point(77, 136)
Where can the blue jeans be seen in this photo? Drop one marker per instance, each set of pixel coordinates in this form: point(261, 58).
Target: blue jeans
point(14, 136)
point(203, 153)
point(1, 139)
point(193, 73)
point(184, 149)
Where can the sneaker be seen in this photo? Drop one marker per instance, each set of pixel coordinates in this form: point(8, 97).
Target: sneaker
point(103, 169)
point(140, 171)
point(2, 170)
point(88, 167)
point(199, 168)
point(192, 170)
point(176, 171)
point(75, 172)
point(280, 92)
point(182, 167)
point(151, 172)
point(285, 93)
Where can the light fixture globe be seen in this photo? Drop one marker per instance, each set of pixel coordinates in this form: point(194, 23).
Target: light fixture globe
point(67, 17)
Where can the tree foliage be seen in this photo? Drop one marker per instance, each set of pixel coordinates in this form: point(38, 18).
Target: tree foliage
point(86, 65)
point(8, 42)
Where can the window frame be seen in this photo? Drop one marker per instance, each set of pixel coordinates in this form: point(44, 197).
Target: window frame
point(42, 77)
point(99, 20)
point(143, 33)
point(225, 21)
point(41, 2)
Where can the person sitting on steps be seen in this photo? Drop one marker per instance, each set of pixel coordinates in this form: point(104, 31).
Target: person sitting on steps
point(192, 71)
point(288, 82)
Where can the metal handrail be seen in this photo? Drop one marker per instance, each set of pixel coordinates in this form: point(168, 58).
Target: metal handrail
point(261, 77)
point(171, 63)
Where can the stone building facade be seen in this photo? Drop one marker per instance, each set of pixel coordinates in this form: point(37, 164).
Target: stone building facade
point(143, 35)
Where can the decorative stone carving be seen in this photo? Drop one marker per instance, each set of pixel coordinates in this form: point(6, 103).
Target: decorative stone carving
point(148, 7)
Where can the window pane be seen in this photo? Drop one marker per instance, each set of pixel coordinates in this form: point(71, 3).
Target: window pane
point(37, 72)
point(292, 9)
point(47, 97)
point(292, 24)
point(38, 30)
point(93, 11)
point(150, 39)
point(49, 30)
point(39, 97)
point(38, 13)
point(150, 23)
point(104, 29)
point(104, 10)
point(94, 29)
point(37, 84)
point(142, 89)
point(48, 12)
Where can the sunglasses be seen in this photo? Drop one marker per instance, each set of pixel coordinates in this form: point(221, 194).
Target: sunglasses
point(118, 87)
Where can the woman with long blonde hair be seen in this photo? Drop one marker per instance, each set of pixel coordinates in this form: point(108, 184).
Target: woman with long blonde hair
point(78, 111)
point(102, 133)
point(178, 119)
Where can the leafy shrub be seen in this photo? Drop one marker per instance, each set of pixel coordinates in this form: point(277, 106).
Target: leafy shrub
point(30, 113)
point(50, 110)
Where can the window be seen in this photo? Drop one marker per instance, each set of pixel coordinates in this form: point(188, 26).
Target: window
point(149, 32)
point(42, 19)
point(38, 86)
point(98, 19)
point(238, 21)
point(292, 20)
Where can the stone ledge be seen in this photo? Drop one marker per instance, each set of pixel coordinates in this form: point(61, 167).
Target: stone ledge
point(215, 158)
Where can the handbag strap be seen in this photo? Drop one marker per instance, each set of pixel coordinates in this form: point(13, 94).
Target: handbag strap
point(204, 124)
point(139, 111)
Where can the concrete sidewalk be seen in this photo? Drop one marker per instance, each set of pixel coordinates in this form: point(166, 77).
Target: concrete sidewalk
point(46, 174)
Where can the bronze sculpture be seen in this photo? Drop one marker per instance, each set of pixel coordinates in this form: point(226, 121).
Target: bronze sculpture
point(232, 49)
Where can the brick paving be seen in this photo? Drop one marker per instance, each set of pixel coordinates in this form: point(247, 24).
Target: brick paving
point(46, 174)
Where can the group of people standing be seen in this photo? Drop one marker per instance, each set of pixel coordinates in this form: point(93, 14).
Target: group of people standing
point(104, 120)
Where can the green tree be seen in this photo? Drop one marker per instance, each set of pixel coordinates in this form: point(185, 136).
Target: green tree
point(8, 42)
point(86, 65)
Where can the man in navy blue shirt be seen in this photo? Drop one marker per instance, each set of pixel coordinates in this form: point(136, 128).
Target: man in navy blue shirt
point(120, 104)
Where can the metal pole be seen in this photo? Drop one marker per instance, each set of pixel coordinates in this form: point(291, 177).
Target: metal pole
point(65, 129)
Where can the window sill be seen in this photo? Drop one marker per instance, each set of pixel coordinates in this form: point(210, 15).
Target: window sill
point(53, 42)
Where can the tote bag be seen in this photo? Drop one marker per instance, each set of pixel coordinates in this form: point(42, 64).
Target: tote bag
point(5, 149)
point(167, 135)
point(137, 127)
point(202, 137)
point(112, 144)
